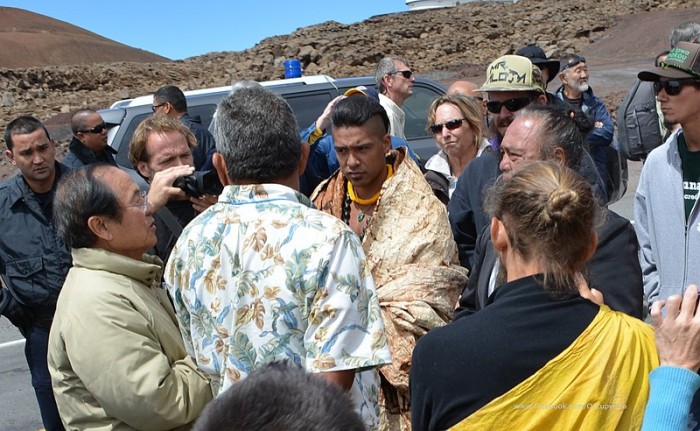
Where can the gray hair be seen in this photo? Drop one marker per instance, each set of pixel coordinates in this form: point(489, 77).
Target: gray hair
point(558, 130)
point(686, 32)
point(79, 196)
point(257, 135)
point(237, 85)
point(387, 66)
point(244, 83)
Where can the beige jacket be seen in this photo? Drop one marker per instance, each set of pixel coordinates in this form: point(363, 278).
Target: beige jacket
point(116, 357)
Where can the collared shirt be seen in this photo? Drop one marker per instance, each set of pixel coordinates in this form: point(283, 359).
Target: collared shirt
point(439, 163)
point(262, 276)
point(397, 117)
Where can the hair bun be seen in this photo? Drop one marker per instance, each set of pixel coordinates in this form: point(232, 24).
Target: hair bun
point(561, 205)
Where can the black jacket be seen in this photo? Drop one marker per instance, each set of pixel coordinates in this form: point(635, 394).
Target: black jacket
point(466, 208)
point(459, 368)
point(79, 155)
point(466, 213)
point(206, 147)
point(614, 269)
point(32, 255)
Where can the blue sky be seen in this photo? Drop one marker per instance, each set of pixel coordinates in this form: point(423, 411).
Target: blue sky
point(178, 29)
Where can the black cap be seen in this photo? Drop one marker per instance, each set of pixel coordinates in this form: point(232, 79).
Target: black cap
point(539, 58)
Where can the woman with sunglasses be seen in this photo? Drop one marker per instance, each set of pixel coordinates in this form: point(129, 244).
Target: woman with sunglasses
point(456, 122)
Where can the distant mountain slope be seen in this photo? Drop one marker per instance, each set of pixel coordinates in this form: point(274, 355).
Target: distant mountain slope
point(29, 39)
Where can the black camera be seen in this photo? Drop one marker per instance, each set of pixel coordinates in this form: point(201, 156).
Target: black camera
point(200, 183)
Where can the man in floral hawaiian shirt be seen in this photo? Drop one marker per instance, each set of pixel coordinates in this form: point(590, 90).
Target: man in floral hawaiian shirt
point(262, 276)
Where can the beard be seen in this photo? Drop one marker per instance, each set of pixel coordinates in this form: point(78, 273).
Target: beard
point(581, 86)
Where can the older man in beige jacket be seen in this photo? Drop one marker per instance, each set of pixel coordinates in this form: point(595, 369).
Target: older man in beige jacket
point(116, 357)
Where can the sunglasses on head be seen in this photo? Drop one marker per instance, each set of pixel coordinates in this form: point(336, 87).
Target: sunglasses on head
point(573, 62)
point(406, 73)
point(511, 104)
point(97, 129)
point(449, 125)
point(672, 87)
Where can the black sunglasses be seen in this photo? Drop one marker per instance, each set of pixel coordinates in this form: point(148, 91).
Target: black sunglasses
point(154, 107)
point(406, 73)
point(573, 62)
point(97, 129)
point(511, 104)
point(672, 87)
point(449, 125)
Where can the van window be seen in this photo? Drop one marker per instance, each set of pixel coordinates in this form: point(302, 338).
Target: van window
point(416, 109)
point(307, 106)
point(123, 154)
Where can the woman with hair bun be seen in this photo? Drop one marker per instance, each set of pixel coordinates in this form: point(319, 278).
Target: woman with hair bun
point(539, 355)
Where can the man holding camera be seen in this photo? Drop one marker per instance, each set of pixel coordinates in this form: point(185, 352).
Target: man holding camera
point(161, 145)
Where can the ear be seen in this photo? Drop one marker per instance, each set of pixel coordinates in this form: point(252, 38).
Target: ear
point(99, 228)
point(305, 150)
point(560, 156)
point(221, 170)
point(10, 157)
point(142, 168)
point(593, 246)
point(387, 143)
point(562, 77)
point(387, 80)
point(499, 236)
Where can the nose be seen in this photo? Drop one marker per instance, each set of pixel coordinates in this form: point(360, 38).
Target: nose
point(444, 132)
point(352, 160)
point(584, 74)
point(504, 166)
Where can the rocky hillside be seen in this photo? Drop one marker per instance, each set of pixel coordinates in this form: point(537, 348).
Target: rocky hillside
point(441, 43)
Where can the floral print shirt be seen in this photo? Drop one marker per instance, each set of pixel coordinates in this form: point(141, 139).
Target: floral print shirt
point(262, 276)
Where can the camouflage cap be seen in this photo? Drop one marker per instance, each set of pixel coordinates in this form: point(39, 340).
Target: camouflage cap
point(513, 73)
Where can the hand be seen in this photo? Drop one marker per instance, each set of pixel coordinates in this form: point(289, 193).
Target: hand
point(325, 118)
point(678, 334)
point(203, 202)
point(593, 295)
point(162, 190)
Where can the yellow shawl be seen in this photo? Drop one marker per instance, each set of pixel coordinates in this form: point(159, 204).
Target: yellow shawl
point(413, 259)
point(599, 383)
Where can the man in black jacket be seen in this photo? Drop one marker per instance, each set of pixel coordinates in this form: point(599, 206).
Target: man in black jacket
point(546, 133)
point(32, 256)
point(161, 150)
point(89, 143)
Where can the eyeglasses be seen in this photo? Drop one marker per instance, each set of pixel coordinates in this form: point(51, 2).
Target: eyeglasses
point(511, 104)
point(406, 73)
point(143, 206)
point(449, 125)
point(97, 129)
point(573, 62)
point(154, 107)
point(674, 86)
